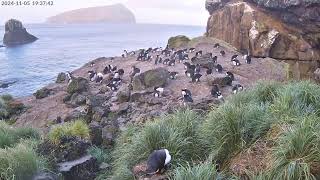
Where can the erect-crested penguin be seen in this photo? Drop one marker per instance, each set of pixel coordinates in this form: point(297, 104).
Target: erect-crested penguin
point(196, 77)
point(219, 68)
point(173, 75)
point(236, 88)
point(186, 92)
point(236, 62)
point(230, 74)
point(158, 91)
point(215, 92)
point(222, 53)
point(157, 161)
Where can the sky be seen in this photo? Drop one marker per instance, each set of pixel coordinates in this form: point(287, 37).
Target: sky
point(188, 12)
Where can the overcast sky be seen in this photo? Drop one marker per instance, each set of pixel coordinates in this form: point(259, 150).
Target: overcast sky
point(190, 12)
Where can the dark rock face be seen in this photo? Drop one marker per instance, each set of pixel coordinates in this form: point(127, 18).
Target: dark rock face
point(151, 78)
point(287, 30)
point(78, 85)
point(16, 34)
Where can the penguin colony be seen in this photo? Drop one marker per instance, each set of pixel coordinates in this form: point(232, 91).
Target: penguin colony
point(112, 76)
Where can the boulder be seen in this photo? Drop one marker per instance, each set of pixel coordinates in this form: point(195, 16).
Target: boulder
point(78, 85)
point(84, 168)
point(42, 93)
point(77, 99)
point(151, 78)
point(267, 32)
point(16, 34)
point(123, 94)
point(62, 77)
point(109, 133)
point(178, 41)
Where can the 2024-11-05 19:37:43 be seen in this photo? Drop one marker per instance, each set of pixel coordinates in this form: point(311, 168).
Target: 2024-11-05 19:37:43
point(27, 3)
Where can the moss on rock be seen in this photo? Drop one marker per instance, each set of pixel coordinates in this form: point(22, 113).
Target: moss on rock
point(178, 41)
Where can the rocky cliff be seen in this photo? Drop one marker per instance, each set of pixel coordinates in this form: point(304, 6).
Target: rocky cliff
point(286, 30)
point(16, 34)
point(117, 13)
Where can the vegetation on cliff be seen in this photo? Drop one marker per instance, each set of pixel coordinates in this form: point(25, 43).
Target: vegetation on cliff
point(285, 116)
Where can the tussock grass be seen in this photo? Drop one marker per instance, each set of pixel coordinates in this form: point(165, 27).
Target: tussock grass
point(177, 133)
point(231, 128)
point(100, 154)
point(205, 171)
point(19, 162)
point(9, 136)
point(8, 108)
point(76, 128)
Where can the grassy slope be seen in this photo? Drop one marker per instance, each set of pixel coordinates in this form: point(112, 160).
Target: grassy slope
point(230, 129)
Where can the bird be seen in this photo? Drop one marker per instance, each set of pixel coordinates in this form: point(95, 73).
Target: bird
point(157, 161)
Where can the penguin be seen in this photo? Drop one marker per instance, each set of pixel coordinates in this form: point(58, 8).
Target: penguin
point(230, 74)
point(158, 91)
point(135, 70)
point(91, 64)
point(166, 61)
point(92, 75)
point(237, 88)
point(185, 57)
point(160, 60)
point(157, 59)
point(113, 68)
point(193, 67)
point(193, 59)
point(234, 57)
point(106, 70)
point(219, 68)
point(99, 78)
point(157, 161)
point(172, 62)
point(187, 99)
point(186, 65)
point(112, 87)
point(185, 92)
point(209, 71)
point(216, 45)
point(215, 92)
point(191, 50)
point(70, 77)
point(227, 81)
point(222, 53)
point(189, 73)
point(236, 62)
point(199, 54)
point(173, 75)
point(197, 69)
point(214, 59)
point(247, 58)
point(196, 77)
point(120, 72)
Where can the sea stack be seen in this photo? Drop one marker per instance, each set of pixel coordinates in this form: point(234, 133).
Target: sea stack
point(16, 34)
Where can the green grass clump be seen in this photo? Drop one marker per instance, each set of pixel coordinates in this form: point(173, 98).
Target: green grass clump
point(204, 171)
point(297, 154)
point(19, 162)
point(8, 107)
point(76, 128)
point(9, 136)
point(177, 133)
point(231, 128)
point(100, 154)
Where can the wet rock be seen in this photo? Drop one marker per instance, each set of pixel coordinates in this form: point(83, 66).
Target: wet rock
point(84, 168)
point(16, 34)
point(109, 134)
point(95, 133)
point(178, 41)
point(78, 85)
point(151, 78)
point(62, 77)
point(43, 93)
point(4, 85)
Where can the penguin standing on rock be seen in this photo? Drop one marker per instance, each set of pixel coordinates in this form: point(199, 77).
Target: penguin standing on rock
point(219, 68)
point(158, 160)
point(222, 53)
point(236, 62)
point(215, 92)
point(230, 74)
point(92, 75)
point(196, 77)
point(237, 88)
point(189, 72)
point(173, 75)
point(247, 58)
point(158, 91)
point(99, 78)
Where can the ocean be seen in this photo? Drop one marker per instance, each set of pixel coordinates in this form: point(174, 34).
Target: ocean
point(62, 48)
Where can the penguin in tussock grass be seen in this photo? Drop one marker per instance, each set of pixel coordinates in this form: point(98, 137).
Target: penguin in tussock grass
point(158, 160)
